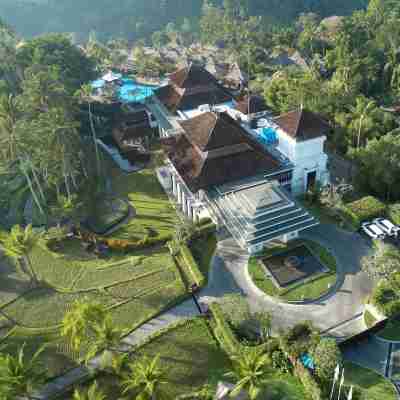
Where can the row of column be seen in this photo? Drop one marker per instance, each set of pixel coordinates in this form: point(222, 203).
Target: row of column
point(183, 199)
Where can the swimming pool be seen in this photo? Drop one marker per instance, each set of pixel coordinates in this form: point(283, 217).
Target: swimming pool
point(267, 135)
point(130, 91)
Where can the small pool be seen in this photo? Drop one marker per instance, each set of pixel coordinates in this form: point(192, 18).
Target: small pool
point(307, 361)
point(267, 135)
point(130, 91)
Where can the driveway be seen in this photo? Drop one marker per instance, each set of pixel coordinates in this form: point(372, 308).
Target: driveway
point(338, 314)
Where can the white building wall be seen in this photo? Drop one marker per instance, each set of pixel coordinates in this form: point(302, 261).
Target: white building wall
point(307, 156)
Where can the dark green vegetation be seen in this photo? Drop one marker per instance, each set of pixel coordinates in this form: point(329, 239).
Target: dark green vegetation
point(311, 288)
point(135, 19)
point(372, 385)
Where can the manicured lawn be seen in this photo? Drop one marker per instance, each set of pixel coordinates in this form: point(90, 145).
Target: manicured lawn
point(203, 251)
point(189, 356)
point(391, 331)
point(312, 288)
point(369, 319)
point(155, 215)
point(374, 386)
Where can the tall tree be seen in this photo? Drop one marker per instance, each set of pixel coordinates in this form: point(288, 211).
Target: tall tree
point(250, 369)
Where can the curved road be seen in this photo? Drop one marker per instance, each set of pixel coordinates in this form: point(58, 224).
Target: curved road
point(338, 314)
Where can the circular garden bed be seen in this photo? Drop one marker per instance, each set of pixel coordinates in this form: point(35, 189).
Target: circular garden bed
point(309, 278)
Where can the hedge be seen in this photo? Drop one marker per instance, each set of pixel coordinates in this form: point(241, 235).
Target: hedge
point(364, 209)
point(223, 332)
point(194, 271)
point(126, 245)
point(310, 384)
point(393, 213)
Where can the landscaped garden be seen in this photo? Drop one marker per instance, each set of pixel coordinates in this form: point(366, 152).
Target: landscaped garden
point(316, 271)
point(134, 288)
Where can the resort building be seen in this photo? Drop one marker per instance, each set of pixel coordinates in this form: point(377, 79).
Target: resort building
point(229, 160)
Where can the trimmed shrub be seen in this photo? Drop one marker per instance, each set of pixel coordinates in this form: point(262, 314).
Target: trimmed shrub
point(364, 209)
point(126, 245)
point(191, 265)
point(386, 300)
point(393, 213)
point(310, 384)
point(222, 330)
point(326, 356)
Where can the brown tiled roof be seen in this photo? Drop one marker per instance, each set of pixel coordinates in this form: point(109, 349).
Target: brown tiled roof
point(192, 76)
point(191, 87)
point(257, 104)
point(215, 150)
point(302, 125)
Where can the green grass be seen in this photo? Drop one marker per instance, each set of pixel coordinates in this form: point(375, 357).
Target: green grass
point(154, 212)
point(203, 251)
point(313, 288)
point(189, 356)
point(135, 287)
point(391, 331)
point(374, 386)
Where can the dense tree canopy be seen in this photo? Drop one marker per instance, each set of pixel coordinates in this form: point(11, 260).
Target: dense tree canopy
point(134, 19)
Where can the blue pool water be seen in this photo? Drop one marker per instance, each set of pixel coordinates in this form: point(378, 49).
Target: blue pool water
point(268, 136)
point(130, 91)
point(307, 361)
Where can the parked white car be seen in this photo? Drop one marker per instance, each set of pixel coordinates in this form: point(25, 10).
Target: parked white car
point(387, 226)
point(373, 230)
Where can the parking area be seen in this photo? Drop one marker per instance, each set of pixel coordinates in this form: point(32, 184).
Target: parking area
point(381, 229)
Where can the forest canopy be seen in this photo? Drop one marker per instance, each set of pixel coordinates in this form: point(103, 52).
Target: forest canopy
point(135, 19)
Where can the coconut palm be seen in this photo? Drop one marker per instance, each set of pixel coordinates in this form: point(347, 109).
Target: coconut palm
point(18, 243)
point(249, 370)
point(78, 322)
point(8, 120)
point(144, 379)
point(19, 376)
point(85, 94)
point(106, 336)
point(93, 393)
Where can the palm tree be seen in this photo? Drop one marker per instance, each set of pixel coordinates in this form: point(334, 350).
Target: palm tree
point(93, 393)
point(85, 93)
point(249, 370)
point(106, 336)
point(19, 243)
point(19, 376)
point(145, 379)
point(78, 322)
point(8, 120)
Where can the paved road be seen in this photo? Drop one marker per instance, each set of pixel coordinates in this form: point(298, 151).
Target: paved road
point(339, 314)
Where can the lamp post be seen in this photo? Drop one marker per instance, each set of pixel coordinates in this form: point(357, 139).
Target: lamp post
point(193, 290)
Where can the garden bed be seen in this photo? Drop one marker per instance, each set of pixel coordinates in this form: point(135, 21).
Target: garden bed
point(312, 288)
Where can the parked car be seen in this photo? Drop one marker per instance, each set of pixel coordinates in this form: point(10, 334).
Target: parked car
point(387, 226)
point(373, 230)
